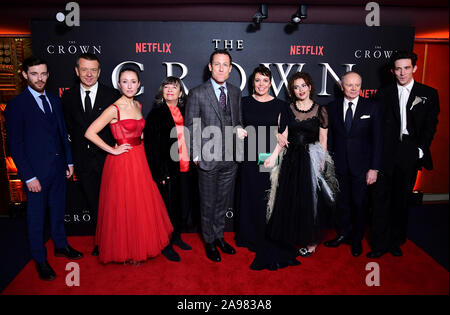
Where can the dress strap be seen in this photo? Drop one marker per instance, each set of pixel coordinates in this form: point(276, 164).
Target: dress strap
point(118, 112)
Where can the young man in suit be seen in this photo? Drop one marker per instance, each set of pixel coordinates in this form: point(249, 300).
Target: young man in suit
point(355, 142)
point(82, 104)
point(38, 142)
point(411, 115)
point(216, 104)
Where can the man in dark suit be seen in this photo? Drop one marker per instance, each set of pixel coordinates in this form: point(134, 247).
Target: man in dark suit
point(82, 104)
point(37, 139)
point(210, 109)
point(411, 115)
point(355, 142)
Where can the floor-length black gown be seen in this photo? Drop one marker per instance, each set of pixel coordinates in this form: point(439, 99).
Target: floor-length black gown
point(298, 216)
point(254, 185)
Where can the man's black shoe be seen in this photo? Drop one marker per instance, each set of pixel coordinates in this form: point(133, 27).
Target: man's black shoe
point(396, 251)
point(356, 249)
point(171, 254)
point(95, 251)
point(335, 242)
point(45, 272)
point(212, 253)
point(224, 246)
point(375, 254)
point(68, 252)
point(179, 242)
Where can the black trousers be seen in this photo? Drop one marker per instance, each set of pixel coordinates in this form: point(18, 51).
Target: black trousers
point(215, 187)
point(391, 193)
point(351, 206)
point(90, 187)
point(176, 193)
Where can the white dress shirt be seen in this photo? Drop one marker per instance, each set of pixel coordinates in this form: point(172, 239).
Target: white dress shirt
point(354, 104)
point(403, 96)
point(92, 95)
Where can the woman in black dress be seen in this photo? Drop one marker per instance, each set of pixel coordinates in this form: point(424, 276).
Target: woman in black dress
point(296, 211)
point(171, 173)
point(261, 113)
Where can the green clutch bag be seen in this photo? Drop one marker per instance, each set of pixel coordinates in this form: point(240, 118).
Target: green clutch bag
point(262, 157)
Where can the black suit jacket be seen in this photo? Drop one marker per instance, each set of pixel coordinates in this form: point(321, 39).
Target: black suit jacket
point(87, 156)
point(360, 150)
point(422, 118)
point(157, 141)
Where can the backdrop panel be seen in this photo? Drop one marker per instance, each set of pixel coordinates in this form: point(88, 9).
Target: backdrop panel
point(183, 49)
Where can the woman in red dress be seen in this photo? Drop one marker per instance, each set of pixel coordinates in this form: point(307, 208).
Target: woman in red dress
point(133, 223)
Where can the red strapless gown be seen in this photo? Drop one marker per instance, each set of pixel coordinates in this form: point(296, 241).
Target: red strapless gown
point(133, 223)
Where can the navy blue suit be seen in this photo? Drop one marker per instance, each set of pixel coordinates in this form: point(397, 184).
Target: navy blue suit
point(354, 154)
point(39, 147)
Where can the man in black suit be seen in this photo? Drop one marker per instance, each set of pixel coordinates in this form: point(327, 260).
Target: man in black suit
point(411, 115)
point(210, 109)
point(355, 142)
point(82, 104)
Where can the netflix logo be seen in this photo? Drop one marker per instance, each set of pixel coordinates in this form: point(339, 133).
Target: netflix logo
point(306, 50)
point(367, 93)
point(153, 48)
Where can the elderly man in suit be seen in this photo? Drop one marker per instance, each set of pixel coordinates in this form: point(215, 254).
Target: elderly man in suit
point(355, 142)
point(82, 104)
point(411, 114)
point(211, 109)
point(37, 139)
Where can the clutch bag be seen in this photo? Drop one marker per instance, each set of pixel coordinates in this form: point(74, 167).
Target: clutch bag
point(262, 157)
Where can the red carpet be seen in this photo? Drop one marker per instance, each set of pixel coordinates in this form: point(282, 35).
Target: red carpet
point(328, 271)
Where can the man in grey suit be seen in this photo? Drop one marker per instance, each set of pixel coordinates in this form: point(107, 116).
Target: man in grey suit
point(212, 110)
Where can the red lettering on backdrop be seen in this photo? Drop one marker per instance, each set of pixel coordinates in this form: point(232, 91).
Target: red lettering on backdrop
point(61, 91)
point(153, 47)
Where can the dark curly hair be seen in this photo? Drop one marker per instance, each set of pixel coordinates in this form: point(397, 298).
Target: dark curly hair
point(300, 75)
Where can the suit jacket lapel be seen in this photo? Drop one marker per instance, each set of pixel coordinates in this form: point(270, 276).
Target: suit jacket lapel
point(232, 104)
point(412, 97)
point(396, 103)
point(359, 110)
point(78, 104)
point(409, 118)
point(340, 113)
point(34, 104)
point(213, 99)
point(98, 96)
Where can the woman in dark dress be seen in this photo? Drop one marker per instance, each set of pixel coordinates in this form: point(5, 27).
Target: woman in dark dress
point(171, 173)
point(296, 212)
point(261, 112)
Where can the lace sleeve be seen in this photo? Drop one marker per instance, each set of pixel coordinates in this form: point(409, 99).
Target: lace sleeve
point(323, 117)
point(285, 114)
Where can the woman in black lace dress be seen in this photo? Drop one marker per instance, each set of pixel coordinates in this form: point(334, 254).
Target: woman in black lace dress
point(295, 212)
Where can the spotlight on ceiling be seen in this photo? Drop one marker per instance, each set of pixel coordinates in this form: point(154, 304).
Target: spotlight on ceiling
point(300, 15)
point(261, 14)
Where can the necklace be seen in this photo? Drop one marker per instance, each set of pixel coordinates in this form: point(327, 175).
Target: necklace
point(303, 111)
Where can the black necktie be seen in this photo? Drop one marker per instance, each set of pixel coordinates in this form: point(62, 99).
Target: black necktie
point(348, 117)
point(46, 105)
point(87, 103)
point(222, 98)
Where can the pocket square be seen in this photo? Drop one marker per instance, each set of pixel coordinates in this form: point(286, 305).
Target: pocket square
point(417, 100)
point(364, 117)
